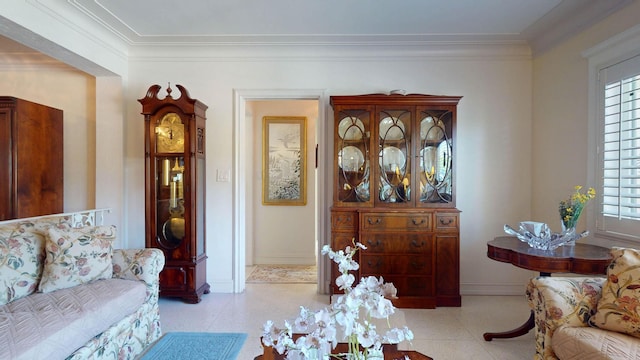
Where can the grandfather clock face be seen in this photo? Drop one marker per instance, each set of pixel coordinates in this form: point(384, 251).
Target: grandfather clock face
point(170, 134)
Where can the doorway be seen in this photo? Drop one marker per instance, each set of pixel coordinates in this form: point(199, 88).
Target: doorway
point(250, 106)
point(281, 234)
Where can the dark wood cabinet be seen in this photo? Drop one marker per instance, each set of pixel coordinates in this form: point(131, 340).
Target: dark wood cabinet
point(394, 191)
point(175, 190)
point(31, 159)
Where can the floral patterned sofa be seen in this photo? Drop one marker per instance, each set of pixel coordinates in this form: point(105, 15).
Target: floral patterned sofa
point(589, 317)
point(66, 293)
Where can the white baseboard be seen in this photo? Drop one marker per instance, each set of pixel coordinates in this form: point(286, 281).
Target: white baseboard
point(284, 260)
point(221, 286)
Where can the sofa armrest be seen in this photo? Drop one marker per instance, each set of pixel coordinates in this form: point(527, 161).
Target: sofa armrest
point(140, 264)
point(561, 301)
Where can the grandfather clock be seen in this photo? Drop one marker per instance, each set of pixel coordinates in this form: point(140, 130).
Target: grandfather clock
point(175, 190)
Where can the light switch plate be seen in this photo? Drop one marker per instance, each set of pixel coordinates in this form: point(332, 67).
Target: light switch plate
point(223, 175)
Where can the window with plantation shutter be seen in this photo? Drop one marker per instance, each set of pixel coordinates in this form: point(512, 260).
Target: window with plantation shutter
point(619, 150)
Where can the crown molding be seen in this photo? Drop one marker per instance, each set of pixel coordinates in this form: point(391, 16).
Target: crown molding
point(567, 19)
point(332, 52)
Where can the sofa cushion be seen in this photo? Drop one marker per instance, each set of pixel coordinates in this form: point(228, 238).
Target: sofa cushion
point(619, 307)
point(43, 224)
point(21, 258)
point(77, 256)
point(579, 343)
point(61, 321)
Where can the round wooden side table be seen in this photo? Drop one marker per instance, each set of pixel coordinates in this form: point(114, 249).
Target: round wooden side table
point(580, 258)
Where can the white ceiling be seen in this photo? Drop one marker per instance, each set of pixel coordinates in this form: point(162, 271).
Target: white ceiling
point(330, 21)
point(538, 23)
point(143, 21)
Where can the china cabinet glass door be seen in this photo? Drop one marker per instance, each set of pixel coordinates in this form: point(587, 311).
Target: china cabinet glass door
point(435, 157)
point(394, 157)
point(353, 168)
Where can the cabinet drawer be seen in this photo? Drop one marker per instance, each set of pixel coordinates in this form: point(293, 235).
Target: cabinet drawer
point(344, 221)
point(412, 285)
point(339, 241)
point(395, 222)
point(446, 221)
point(396, 265)
point(397, 243)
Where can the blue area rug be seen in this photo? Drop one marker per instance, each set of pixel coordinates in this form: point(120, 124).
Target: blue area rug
point(196, 346)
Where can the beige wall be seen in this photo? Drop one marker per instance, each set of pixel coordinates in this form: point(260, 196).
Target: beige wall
point(282, 234)
point(560, 116)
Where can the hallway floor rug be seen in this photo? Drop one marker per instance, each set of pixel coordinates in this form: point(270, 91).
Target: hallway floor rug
point(196, 346)
point(283, 274)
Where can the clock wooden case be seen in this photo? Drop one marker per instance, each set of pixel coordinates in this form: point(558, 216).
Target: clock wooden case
point(394, 191)
point(175, 190)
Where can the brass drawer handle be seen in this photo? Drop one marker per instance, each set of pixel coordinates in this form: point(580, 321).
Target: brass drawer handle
point(415, 243)
point(377, 264)
point(372, 222)
point(447, 223)
point(375, 244)
point(416, 222)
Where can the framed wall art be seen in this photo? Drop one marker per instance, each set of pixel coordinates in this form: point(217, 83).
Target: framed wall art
point(284, 175)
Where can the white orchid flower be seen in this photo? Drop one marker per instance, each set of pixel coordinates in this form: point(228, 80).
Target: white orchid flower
point(369, 298)
point(345, 281)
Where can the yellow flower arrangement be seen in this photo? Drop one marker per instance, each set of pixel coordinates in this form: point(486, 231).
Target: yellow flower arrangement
point(571, 208)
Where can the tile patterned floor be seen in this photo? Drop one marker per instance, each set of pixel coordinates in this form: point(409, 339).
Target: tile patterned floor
point(442, 333)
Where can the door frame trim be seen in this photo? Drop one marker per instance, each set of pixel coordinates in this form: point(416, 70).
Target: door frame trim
point(241, 149)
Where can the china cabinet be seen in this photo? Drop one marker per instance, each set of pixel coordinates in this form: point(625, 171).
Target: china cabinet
point(31, 159)
point(394, 191)
point(175, 190)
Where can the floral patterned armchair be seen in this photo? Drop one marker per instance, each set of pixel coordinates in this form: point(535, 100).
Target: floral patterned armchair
point(561, 301)
point(589, 317)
